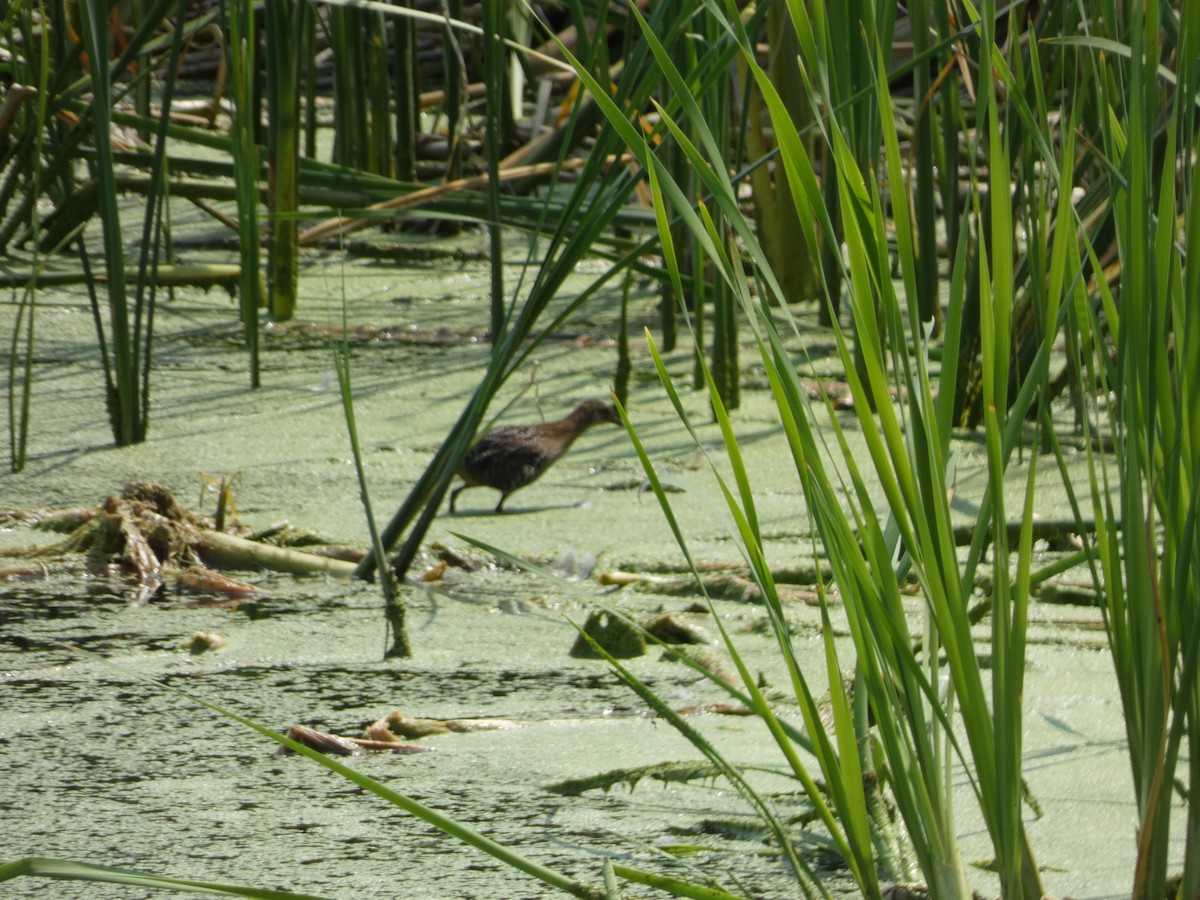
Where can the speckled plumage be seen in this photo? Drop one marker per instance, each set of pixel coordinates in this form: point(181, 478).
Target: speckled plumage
point(511, 456)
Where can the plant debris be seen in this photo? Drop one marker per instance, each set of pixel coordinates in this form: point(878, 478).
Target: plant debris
point(148, 539)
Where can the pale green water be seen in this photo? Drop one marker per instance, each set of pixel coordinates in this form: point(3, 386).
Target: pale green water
point(103, 769)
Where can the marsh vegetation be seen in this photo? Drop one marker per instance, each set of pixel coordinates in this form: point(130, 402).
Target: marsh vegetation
point(946, 247)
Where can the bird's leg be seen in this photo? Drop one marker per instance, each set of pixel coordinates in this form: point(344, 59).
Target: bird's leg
point(500, 505)
point(454, 494)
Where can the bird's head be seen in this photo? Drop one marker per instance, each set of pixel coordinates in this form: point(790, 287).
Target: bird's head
point(594, 412)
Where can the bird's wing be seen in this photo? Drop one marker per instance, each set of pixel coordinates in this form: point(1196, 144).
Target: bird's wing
point(506, 458)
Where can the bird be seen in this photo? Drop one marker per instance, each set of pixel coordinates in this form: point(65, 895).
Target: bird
point(511, 456)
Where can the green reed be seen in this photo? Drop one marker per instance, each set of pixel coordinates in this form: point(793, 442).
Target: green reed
point(922, 730)
point(1148, 543)
point(284, 24)
point(1077, 134)
point(244, 152)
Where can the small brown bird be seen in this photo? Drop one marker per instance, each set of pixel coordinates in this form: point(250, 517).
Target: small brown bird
point(511, 456)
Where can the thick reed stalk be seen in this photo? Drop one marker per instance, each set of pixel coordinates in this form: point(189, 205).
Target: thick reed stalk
point(284, 32)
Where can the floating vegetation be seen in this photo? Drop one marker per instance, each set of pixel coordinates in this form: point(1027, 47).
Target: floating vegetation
point(667, 773)
point(147, 538)
point(616, 636)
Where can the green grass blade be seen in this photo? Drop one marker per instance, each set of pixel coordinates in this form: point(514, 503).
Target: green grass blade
point(70, 870)
point(123, 391)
